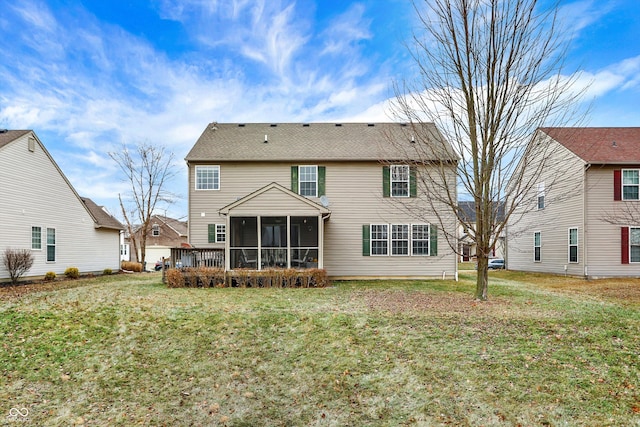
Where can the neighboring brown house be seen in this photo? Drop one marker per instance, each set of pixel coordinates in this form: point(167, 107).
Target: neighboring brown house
point(587, 223)
point(336, 196)
point(164, 233)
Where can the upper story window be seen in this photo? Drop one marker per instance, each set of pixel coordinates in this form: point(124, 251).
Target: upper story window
point(630, 184)
point(207, 177)
point(155, 230)
point(541, 196)
point(308, 180)
point(399, 181)
point(308, 176)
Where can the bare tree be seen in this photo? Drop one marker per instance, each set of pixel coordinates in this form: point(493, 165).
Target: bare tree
point(17, 262)
point(147, 170)
point(489, 72)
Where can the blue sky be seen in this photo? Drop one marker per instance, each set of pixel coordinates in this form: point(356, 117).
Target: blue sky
point(88, 76)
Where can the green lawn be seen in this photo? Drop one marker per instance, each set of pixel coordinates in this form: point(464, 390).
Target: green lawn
point(125, 350)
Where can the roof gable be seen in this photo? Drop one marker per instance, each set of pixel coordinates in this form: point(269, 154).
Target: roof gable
point(102, 218)
point(600, 145)
point(8, 136)
point(309, 142)
point(275, 189)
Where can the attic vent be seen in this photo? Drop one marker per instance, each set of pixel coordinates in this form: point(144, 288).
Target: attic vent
point(403, 124)
point(306, 125)
point(31, 144)
point(371, 124)
point(266, 139)
point(338, 124)
point(614, 144)
point(240, 125)
point(273, 125)
point(413, 139)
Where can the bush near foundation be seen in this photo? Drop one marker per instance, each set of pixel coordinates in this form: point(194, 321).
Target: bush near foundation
point(72, 273)
point(207, 277)
point(131, 266)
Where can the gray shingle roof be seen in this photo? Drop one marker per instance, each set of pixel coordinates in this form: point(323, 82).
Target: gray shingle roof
point(102, 217)
point(6, 136)
point(317, 142)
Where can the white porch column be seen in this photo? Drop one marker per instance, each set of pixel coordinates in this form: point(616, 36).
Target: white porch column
point(320, 241)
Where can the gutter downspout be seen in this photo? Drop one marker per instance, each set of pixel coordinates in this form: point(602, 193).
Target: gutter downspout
point(584, 222)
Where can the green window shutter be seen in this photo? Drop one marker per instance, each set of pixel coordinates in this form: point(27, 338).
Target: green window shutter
point(386, 181)
point(413, 182)
point(433, 240)
point(294, 179)
point(322, 172)
point(366, 240)
point(212, 233)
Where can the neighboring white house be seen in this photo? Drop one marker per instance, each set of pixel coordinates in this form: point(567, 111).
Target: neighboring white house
point(338, 196)
point(41, 211)
point(583, 215)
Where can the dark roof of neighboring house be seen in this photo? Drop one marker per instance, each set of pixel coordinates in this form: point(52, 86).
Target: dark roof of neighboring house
point(605, 145)
point(6, 136)
point(180, 227)
point(102, 217)
point(318, 142)
point(468, 210)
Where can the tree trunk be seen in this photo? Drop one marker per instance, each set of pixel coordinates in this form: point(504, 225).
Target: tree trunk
point(482, 280)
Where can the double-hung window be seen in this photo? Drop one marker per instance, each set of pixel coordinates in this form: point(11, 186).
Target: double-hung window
point(573, 245)
point(36, 238)
point(541, 196)
point(537, 246)
point(630, 184)
point(155, 230)
point(51, 244)
point(399, 181)
point(420, 239)
point(634, 244)
point(379, 239)
point(207, 177)
point(308, 176)
point(399, 239)
point(221, 234)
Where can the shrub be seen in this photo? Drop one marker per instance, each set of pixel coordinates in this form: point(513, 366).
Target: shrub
point(17, 262)
point(72, 273)
point(131, 266)
point(107, 272)
point(211, 276)
point(50, 276)
point(175, 279)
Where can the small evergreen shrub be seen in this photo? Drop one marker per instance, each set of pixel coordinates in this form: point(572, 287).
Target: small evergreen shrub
point(107, 272)
point(50, 276)
point(72, 273)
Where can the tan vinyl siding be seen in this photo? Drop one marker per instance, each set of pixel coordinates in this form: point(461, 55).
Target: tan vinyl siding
point(563, 210)
point(604, 238)
point(354, 191)
point(35, 193)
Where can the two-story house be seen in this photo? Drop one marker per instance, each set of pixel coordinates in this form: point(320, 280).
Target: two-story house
point(319, 195)
point(164, 233)
point(41, 211)
point(582, 217)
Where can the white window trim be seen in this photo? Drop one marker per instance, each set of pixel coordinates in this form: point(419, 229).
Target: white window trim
point(541, 194)
point(622, 184)
point(222, 227)
point(155, 230)
point(630, 261)
point(428, 240)
point(569, 245)
point(371, 239)
point(409, 240)
point(32, 248)
point(215, 188)
point(392, 240)
point(539, 246)
point(391, 180)
point(55, 244)
point(300, 181)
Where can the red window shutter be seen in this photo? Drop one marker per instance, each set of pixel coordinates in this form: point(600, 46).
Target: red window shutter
point(624, 247)
point(617, 185)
